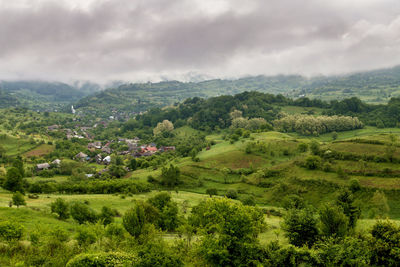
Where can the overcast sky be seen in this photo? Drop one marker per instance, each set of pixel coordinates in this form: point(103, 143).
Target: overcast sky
point(140, 40)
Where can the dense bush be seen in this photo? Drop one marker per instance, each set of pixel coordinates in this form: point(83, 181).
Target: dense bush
point(170, 175)
point(61, 208)
point(13, 180)
point(103, 259)
point(300, 227)
point(82, 213)
point(211, 191)
point(134, 220)
point(313, 162)
point(11, 231)
point(348, 251)
point(90, 187)
point(232, 193)
point(18, 199)
point(230, 232)
point(333, 221)
point(157, 254)
point(385, 244)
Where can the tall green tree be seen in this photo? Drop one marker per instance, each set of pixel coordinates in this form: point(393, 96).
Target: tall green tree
point(18, 199)
point(11, 231)
point(333, 221)
point(13, 180)
point(385, 244)
point(167, 211)
point(81, 213)
point(300, 226)
point(19, 164)
point(345, 200)
point(133, 164)
point(134, 220)
point(230, 232)
point(170, 175)
point(61, 208)
point(106, 215)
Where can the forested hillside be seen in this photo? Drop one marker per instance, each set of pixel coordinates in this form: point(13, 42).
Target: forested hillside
point(43, 95)
point(375, 87)
point(212, 113)
point(372, 87)
point(7, 100)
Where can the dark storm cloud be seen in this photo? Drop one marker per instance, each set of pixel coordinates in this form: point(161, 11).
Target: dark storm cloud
point(149, 39)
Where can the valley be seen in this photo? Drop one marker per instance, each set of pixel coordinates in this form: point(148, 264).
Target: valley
point(254, 150)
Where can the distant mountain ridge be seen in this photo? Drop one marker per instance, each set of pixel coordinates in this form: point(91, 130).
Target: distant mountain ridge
point(43, 95)
point(376, 86)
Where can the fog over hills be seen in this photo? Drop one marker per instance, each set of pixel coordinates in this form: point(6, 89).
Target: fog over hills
point(376, 86)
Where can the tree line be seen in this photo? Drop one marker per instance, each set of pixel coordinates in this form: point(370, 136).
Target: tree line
point(316, 125)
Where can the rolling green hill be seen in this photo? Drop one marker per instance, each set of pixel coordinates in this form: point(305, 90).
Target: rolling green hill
point(42, 95)
point(376, 86)
point(372, 87)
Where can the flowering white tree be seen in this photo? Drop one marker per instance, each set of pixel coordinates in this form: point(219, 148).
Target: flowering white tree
point(164, 126)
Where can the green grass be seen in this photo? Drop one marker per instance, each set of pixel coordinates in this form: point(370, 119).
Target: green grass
point(57, 178)
point(300, 110)
point(366, 131)
point(39, 151)
point(314, 185)
point(15, 146)
point(185, 131)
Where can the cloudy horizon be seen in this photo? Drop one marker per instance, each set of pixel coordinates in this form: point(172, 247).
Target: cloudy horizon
point(154, 40)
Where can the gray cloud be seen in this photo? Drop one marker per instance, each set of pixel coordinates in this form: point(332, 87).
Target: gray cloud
point(150, 39)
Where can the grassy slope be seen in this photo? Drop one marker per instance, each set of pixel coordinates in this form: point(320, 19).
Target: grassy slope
point(14, 145)
point(199, 176)
point(208, 172)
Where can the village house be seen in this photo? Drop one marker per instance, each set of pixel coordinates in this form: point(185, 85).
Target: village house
point(132, 147)
point(42, 166)
point(167, 148)
point(98, 159)
point(106, 149)
point(148, 150)
point(82, 156)
point(94, 145)
point(107, 160)
point(53, 127)
point(56, 162)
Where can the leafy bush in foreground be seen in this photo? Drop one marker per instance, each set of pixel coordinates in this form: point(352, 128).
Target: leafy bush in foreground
point(102, 259)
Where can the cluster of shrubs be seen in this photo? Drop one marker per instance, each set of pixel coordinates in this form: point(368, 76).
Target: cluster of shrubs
point(326, 237)
point(228, 232)
point(90, 187)
point(253, 124)
point(82, 213)
point(270, 149)
point(236, 134)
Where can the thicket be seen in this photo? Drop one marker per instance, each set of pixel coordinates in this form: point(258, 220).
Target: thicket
point(229, 234)
point(90, 187)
